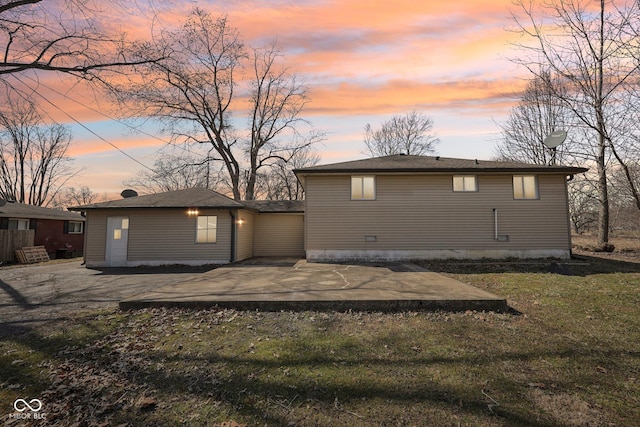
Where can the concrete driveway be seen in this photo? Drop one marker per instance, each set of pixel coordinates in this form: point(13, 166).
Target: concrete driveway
point(32, 295)
point(39, 294)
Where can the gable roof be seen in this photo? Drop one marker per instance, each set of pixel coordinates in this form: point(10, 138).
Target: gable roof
point(20, 210)
point(411, 163)
point(198, 197)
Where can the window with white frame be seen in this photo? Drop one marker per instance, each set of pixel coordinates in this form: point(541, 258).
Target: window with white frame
point(465, 183)
point(525, 187)
point(75, 227)
point(207, 229)
point(363, 188)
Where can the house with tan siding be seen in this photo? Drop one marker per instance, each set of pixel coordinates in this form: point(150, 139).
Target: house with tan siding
point(395, 207)
point(191, 227)
point(419, 207)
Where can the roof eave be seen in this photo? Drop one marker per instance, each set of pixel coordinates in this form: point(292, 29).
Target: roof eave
point(92, 207)
point(540, 169)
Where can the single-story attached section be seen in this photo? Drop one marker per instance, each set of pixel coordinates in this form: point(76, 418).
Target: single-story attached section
point(60, 232)
point(387, 208)
point(421, 207)
point(193, 227)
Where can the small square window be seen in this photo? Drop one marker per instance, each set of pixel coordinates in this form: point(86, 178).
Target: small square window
point(465, 183)
point(207, 229)
point(525, 187)
point(363, 188)
point(75, 227)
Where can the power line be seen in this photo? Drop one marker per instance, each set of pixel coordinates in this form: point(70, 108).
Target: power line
point(85, 127)
point(88, 107)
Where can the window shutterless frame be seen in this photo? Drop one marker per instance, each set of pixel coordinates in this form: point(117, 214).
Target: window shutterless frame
point(363, 188)
point(465, 183)
point(525, 187)
point(206, 229)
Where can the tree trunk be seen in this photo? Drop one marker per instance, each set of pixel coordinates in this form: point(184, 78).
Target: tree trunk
point(603, 198)
point(603, 194)
point(249, 193)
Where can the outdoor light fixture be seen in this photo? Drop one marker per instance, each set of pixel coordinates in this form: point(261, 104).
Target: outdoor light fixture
point(192, 212)
point(240, 221)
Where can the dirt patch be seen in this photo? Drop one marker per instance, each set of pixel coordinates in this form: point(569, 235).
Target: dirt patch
point(567, 409)
point(624, 248)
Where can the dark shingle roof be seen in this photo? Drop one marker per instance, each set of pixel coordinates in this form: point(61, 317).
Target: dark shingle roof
point(193, 197)
point(275, 206)
point(197, 198)
point(410, 163)
point(19, 210)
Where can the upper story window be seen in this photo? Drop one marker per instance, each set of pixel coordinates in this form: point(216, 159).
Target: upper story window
point(363, 188)
point(207, 229)
point(465, 183)
point(525, 187)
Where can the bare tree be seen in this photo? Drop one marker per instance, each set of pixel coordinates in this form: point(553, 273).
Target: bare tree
point(537, 114)
point(626, 181)
point(172, 171)
point(407, 134)
point(591, 51)
point(33, 154)
point(62, 36)
point(72, 196)
point(196, 91)
point(280, 183)
point(583, 203)
point(278, 98)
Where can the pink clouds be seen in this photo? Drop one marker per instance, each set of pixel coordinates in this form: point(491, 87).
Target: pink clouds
point(375, 56)
point(360, 59)
point(386, 56)
point(395, 96)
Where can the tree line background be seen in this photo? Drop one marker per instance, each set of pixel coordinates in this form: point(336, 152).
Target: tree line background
point(584, 59)
point(234, 114)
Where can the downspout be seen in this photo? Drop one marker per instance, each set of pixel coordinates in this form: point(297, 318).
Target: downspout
point(495, 224)
point(232, 213)
point(566, 202)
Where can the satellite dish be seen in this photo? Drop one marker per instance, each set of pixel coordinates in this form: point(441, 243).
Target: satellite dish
point(128, 193)
point(2, 203)
point(555, 139)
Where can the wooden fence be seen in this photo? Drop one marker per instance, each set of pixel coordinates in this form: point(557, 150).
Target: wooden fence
point(11, 240)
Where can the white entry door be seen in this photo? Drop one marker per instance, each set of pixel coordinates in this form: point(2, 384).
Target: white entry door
point(117, 239)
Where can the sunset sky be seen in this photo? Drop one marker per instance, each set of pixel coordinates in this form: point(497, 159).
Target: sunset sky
point(363, 63)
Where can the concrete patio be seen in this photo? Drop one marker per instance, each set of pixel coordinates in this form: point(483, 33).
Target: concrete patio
point(292, 284)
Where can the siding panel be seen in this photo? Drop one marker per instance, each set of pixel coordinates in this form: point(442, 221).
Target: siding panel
point(158, 235)
point(95, 236)
point(279, 234)
point(245, 235)
point(170, 235)
point(421, 212)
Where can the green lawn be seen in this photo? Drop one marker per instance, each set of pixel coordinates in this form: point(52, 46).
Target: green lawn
point(568, 355)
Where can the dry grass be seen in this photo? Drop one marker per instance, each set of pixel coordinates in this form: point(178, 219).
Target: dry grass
point(569, 355)
point(622, 244)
